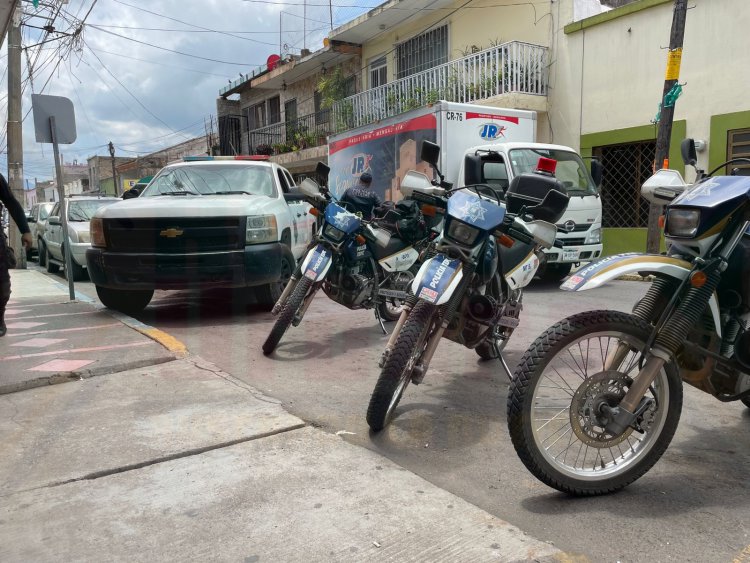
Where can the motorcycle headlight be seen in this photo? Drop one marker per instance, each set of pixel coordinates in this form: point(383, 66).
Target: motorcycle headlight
point(461, 232)
point(682, 222)
point(96, 232)
point(260, 229)
point(333, 233)
point(594, 236)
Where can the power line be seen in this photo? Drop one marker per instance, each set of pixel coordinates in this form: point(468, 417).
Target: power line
point(155, 63)
point(171, 50)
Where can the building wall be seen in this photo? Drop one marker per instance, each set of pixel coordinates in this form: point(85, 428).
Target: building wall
point(610, 76)
point(479, 25)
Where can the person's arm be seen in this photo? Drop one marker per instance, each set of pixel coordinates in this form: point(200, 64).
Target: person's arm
point(13, 207)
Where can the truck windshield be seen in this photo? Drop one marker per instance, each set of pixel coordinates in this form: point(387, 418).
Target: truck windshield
point(212, 179)
point(570, 169)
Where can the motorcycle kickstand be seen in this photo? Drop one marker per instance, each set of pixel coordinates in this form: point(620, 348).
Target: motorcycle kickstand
point(500, 358)
point(380, 320)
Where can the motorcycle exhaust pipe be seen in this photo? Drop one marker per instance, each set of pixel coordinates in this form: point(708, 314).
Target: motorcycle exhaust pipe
point(482, 308)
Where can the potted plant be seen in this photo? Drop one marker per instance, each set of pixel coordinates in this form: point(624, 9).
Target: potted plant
point(264, 149)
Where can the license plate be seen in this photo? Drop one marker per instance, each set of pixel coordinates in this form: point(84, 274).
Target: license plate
point(569, 254)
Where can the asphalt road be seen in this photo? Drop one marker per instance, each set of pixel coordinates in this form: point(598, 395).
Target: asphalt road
point(451, 430)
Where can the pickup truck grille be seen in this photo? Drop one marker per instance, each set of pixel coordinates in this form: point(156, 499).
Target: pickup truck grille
point(175, 236)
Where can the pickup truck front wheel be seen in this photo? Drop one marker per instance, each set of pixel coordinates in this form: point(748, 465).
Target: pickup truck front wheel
point(268, 294)
point(128, 301)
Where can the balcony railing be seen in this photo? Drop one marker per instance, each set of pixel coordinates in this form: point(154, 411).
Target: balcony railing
point(510, 67)
point(301, 133)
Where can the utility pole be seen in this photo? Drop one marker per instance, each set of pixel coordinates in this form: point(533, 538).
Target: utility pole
point(15, 137)
point(114, 174)
point(664, 134)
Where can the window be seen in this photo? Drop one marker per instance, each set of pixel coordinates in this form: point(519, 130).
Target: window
point(283, 181)
point(422, 52)
point(738, 146)
point(256, 116)
point(378, 72)
point(274, 110)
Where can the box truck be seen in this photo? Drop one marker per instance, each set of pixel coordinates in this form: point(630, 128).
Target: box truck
point(506, 141)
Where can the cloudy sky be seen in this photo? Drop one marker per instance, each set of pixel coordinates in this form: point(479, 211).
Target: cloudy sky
point(145, 74)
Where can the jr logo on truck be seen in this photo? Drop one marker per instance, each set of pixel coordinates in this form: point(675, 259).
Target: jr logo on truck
point(491, 131)
point(360, 163)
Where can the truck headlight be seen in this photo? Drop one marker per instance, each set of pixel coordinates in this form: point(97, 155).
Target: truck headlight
point(96, 232)
point(81, 236)
point(462, 233)
point(594, 236)
point(260, 229)
point(682, 222)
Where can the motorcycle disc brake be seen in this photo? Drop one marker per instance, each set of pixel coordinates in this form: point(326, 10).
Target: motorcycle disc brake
point(588, 419)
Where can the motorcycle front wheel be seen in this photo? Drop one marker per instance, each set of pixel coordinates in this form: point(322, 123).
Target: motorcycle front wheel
point(286, 315)
point(554, 405)
point(397, 370)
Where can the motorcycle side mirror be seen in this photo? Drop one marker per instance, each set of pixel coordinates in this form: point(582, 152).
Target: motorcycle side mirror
point(430, 153)
point(473, 170)
point(309, 188)
point(322, 169)
point(689, 154)
point(597, 172)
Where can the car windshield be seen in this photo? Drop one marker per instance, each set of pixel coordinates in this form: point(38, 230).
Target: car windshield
point(83, 210)
point(212, 179)
point(570, 169)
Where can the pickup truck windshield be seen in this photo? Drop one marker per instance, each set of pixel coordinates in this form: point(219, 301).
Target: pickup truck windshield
point(212, 179)
point(570, 169)
point(84, 210)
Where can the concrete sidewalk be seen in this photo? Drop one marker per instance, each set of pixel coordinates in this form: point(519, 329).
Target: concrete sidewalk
point(181, 461)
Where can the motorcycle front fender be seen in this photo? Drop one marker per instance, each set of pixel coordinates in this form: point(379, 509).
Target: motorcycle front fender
point(437, 279)
point(316, 264)
point(601, 271)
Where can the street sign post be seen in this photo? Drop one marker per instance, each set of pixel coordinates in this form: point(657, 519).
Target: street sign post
point(55, 122)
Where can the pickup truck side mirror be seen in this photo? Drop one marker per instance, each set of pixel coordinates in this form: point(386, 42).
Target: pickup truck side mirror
point(131, 193)
point(597, 172)
point(294, 194)
point(54, 220)
point(322, 169)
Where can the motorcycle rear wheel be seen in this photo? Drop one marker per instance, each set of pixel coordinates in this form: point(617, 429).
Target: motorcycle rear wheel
point(556, 393)
point(397, 371)
point(286, 315)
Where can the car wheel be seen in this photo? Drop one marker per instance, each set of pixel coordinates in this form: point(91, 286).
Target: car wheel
point(42, 253)
point(78, 272)
point(128, 301)
point(268, 294)
point(51, 268)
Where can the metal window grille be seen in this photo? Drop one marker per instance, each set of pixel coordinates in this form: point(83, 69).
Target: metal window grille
point(626, 167)
point(422, 52)
point(230, 134)
point(738, 146)
point(378, 72)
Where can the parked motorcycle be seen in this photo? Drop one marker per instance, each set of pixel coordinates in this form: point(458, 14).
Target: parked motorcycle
point(469, 289)
point(357, 263)
point(596, 399)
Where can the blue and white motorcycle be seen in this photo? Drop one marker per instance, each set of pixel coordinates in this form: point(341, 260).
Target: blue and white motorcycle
point(469, 290)
point(357, 264)
point(597, 397)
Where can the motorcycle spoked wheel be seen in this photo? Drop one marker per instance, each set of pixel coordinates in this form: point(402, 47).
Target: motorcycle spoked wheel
point(390, 309)
point(555, 395)
point(286, 315)
point(397, 371)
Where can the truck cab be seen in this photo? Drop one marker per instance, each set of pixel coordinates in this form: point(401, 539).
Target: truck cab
point(580, 229)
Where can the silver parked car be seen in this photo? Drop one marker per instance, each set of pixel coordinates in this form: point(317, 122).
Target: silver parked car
point(79, 210)
point(37, 219)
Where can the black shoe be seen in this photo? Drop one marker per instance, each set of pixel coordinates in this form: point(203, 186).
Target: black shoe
point(3, 328)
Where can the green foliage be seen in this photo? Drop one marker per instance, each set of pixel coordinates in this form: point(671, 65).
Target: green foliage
point(332, 87)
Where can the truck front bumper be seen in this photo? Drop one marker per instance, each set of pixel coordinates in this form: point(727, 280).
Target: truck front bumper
point(572, 254)
point(257, 264)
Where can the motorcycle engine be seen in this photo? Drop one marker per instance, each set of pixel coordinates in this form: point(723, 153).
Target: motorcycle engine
point(348, 287)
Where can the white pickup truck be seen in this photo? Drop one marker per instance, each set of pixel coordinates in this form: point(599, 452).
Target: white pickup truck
point(202, 222)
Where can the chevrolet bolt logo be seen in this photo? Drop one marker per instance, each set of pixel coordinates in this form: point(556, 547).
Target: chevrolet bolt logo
point(171, 232)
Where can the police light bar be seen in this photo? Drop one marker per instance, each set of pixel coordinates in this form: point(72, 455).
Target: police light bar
point(546, 165)
point(238, 157)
